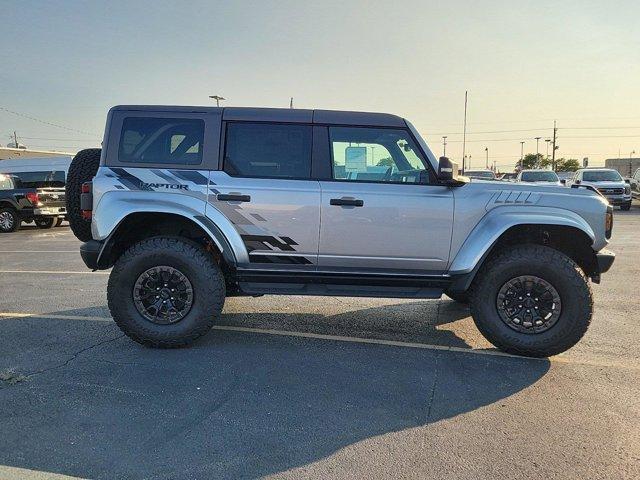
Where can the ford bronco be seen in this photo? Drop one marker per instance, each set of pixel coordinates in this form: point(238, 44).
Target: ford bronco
point(189, 205)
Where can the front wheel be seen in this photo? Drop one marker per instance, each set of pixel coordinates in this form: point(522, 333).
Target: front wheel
point(531, 300)
point(165, 292)
point(626, 206)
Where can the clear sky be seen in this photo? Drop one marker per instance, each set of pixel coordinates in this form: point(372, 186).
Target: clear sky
point(523, 63)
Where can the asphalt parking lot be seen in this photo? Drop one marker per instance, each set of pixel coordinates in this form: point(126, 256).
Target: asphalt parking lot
point(306, 387)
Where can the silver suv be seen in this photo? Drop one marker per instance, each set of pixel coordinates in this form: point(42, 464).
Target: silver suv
point(190, 205)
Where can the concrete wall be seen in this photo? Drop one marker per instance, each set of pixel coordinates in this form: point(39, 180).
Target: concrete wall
point(622, 165)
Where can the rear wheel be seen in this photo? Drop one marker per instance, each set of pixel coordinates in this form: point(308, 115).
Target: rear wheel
point(45, 222)
point(83, 168)
point(165, 292)
point(9, 220)
point(531, 300)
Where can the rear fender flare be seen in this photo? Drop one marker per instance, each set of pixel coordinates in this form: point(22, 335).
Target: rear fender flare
point(114, 207)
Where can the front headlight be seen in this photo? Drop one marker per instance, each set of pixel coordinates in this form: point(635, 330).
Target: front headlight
point(627, 189)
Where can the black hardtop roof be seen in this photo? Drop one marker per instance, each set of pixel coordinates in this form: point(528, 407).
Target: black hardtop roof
point(288, 115)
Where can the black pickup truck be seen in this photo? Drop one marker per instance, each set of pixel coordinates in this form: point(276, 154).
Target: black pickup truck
point(36, 196)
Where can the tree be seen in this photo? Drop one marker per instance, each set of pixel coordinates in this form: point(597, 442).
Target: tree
point(530, 161)
point(386, 162)
point(567, 165)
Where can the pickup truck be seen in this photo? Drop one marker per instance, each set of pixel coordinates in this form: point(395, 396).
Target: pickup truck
point(31, 196)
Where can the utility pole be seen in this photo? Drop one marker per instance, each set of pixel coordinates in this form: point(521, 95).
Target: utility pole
point(537, 150)
point(464, 131)
point(217, 98)
point(444, 145)
point(553, 152)
point(521, 155)
point(291, 103)
point(15, 139)
point(486, 149)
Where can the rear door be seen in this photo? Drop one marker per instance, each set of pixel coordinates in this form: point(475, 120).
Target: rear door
point(265, 190)
point(381, 210)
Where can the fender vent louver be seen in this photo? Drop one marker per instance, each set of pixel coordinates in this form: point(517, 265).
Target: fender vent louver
point(512, 197)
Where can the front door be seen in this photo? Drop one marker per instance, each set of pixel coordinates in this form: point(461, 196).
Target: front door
point(380, 212)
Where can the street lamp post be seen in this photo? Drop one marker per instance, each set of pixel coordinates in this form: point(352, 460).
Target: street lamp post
point(217, 98)
point(486, 149)
point(444, 145)
point(631, 162)
point(537, 149)
point(521, 155)
point(547, 141)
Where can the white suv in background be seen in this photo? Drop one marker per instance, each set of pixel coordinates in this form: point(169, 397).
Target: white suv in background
point(543, 177)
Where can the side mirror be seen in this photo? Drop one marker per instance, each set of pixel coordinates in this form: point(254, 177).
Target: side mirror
point(563, 181)
point(626, 180)
point(577, 182)
point(447, 170)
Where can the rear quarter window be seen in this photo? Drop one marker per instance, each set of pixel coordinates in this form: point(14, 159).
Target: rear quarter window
point(152, 140)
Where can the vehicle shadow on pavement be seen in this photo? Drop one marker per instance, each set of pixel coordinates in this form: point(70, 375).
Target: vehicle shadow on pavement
point(234, 405)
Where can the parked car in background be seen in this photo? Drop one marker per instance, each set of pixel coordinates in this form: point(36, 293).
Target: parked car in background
point(608, 182)
point(634, 183)
point(480, 174)
point(508, 177)
point(544, 177)
point(32, 190)
point(565, 177)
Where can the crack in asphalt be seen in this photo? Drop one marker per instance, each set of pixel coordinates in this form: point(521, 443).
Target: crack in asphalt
point(73, 357)
point(433, 388)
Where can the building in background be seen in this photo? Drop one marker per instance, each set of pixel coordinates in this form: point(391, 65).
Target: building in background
point(625, 166)
point(7, 153)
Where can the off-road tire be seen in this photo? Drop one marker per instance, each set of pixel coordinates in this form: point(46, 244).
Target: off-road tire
point(191, 260)
point(626, 206)
point(550, 265)
point(83, 168)
point(16, 220)
point(460, 297)
point(45, 223)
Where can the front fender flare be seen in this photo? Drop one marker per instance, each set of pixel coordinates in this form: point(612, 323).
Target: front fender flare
point(487, 232)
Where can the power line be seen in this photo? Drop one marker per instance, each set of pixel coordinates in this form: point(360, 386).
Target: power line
point(23, 115)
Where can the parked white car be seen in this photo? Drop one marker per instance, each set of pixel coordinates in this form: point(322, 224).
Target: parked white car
point(543, 177)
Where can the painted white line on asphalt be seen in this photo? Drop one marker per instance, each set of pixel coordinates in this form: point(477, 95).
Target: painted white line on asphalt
point(55, 272)
point(39, 251)
point(336, 338)
point(15, 473)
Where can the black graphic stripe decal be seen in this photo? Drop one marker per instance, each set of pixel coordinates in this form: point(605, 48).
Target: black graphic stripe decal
point(284, 259)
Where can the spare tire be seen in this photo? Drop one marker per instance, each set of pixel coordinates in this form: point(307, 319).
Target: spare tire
point(84, 167)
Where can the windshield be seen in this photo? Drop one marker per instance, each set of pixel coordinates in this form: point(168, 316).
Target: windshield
point(480, 174)
point(44, 179)
point(601, 176)
point(539, 177)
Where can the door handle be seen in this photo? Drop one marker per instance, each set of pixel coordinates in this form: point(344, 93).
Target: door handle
point(346, 202)
point(233, 197)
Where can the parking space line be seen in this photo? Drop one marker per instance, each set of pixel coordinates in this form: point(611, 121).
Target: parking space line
point(338, 338)
point(55, 272)
point(38, 251)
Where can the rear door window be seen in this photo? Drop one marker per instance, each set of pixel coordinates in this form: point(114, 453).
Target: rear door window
point(268, 150)
point(174, 141)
